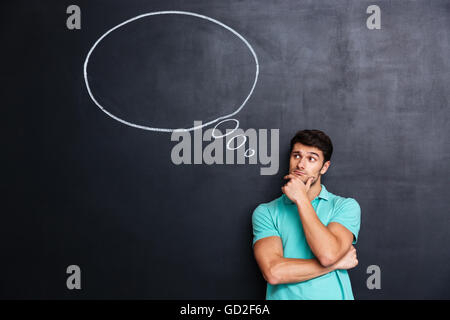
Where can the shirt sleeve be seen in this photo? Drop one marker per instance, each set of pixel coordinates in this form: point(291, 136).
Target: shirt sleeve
point(348, 213)
point(263, 224)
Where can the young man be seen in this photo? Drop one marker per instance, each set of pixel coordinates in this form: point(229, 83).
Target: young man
point(303, 240)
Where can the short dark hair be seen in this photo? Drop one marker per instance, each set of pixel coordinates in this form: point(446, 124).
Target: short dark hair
point(314, 138)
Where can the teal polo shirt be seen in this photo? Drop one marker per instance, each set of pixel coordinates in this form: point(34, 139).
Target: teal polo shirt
point(280, 218)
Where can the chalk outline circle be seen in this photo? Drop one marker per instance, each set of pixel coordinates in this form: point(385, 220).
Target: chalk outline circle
point(248, 156)
point(224, 135)
point(238, 135)
point(180, 13)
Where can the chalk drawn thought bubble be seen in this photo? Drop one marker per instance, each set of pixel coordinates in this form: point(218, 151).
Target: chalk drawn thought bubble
point(191, 14)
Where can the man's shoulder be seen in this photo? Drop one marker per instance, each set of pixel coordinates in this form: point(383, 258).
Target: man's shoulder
point(337, 200)
point(271, 206)
point(341, 204)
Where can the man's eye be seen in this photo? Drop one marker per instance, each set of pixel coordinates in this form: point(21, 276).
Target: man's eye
point(312, 158)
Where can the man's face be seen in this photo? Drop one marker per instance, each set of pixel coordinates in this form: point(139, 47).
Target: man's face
point(306, 162)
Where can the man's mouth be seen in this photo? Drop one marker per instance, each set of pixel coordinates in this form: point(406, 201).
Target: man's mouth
point(299, 173)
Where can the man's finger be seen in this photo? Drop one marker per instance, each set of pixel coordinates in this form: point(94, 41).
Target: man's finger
point(290, 176)
point(308, 183)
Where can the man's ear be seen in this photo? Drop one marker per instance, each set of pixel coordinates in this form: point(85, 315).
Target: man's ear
point(325, 167)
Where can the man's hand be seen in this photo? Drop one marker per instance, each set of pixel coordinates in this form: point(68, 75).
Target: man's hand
point(348, 261)
point(295, 189)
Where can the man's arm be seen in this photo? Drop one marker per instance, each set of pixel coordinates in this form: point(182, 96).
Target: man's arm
point(277, 270)
point(328, 243)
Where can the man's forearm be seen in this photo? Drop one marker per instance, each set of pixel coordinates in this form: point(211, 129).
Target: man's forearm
point(322, 242)
point(291, 270)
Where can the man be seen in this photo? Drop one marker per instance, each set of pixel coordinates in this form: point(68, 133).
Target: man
point(303, 240)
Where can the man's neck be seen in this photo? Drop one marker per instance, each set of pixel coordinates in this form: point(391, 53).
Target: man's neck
point(314, 190)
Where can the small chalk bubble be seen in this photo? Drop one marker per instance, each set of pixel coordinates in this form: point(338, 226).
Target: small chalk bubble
point(228, 133)
point(240, 145)
point(247, 155)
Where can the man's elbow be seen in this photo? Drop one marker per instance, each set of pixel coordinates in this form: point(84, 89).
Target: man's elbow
point(271, 276)
point(271, 279)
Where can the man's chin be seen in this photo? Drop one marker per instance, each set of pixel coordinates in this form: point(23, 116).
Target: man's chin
point(305, 179)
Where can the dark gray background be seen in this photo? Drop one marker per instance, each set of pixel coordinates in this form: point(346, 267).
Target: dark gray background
point(81, 188)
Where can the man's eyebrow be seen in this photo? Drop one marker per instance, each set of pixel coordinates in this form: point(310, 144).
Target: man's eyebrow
point(307, 152)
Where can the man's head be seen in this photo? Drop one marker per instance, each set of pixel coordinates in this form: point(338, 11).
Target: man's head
point(310, 155)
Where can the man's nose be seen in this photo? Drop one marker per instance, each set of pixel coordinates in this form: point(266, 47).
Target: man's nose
point(301, 164)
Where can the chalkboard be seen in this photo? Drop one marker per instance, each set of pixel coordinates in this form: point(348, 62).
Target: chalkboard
point(89, 174)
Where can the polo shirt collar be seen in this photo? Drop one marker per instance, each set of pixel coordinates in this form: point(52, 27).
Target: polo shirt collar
point(323, 195)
